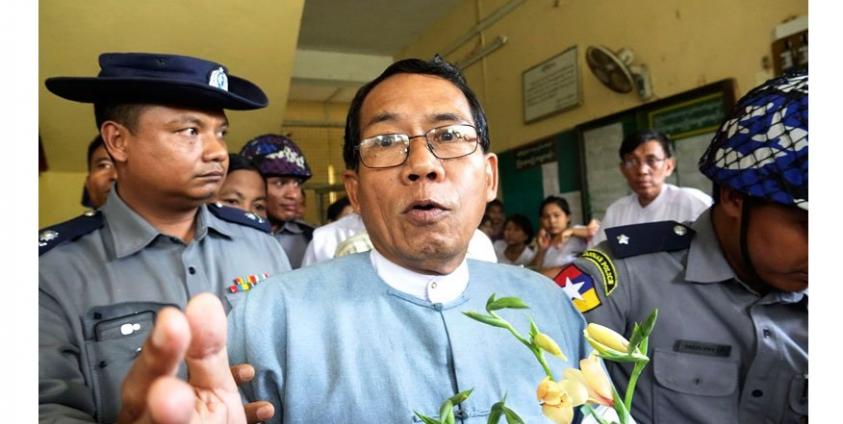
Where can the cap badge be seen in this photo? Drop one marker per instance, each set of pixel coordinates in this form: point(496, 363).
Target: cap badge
point(219, 79)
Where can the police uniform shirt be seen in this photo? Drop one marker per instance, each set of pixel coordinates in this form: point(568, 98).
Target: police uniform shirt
point(99, 293)
point(294, 237)
point(719, 352)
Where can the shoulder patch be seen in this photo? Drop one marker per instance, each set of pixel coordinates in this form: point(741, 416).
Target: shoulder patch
point(68, 231)
point(239, 216)
point(579, 286)
point(651, 237)
point(606, 267)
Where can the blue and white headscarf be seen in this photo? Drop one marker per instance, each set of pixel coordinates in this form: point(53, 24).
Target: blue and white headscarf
point(762, 149)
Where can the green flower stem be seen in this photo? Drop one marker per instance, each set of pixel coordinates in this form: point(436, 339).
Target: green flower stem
point(536, 351)
point(633, 380)
point(589, 410)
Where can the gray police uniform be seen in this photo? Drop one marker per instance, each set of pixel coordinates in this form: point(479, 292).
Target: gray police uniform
point(294, 236)
point(720, 352)
point(102, 278)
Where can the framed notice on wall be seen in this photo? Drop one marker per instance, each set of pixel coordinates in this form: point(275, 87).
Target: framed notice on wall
point(552, 86)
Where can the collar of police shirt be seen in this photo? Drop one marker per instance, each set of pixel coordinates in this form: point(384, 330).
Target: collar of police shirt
point(130, 232)
point(706, 263)
point(432, 288)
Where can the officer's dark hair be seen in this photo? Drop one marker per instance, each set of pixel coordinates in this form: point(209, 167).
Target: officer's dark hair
point(95, 144)
point(558, 201)
point(237, 162)
point(436, 67)
point(125, 114)
point(522, 222)
point(334, 209)
point(633, 140)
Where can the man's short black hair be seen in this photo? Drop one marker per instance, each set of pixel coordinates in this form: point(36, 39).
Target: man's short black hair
point(632, 141)
point(334, 209)
point(125, 114)
point(237, 162)
point(95, 144)
point(436, 67)
point(522, 222)
point(494, 202)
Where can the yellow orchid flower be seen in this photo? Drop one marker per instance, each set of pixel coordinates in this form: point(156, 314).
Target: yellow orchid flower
point(592, 376)
point(602, 338)
point(547, 344)
point(559, 399)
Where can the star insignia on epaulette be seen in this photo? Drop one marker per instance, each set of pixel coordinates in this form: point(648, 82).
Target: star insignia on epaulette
point(46, 236)
point(623, 239)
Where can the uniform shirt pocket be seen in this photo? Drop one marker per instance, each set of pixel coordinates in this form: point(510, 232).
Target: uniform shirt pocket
point(798, 398)
point(694, 388)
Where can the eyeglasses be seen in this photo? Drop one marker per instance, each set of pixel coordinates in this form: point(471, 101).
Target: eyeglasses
point(388, 150)
point(651, 162)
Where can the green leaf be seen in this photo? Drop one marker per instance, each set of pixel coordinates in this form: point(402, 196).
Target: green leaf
point(649, 323)
point(534, 330)
point(636, 338)
point(446, 412)
point(425, 419)
point(511, 416)
point(490, 302)
point(486, 319)
point(495, 413)
point(460, 397)
point(507, 303)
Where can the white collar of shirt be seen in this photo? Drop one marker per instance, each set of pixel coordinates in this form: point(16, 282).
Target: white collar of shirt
point(432, 288)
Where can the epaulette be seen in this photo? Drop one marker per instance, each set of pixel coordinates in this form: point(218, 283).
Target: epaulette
point(67, 231)
point(239, 216)
point(650, 237)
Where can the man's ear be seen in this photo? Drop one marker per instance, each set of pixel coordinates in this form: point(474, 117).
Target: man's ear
point(114, 136)
point(491, 172)
point(731, 202)
point(669, 166)
point(351, 182)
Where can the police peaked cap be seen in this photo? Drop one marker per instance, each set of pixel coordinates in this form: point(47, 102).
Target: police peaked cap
point(161, 79)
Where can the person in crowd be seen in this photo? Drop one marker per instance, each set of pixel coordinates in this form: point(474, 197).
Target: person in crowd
point(646, 162)
point(493, 220)
point(373, 337)
point(731, 341)
point(559, 241)
point(339, 209)
point(515, 246)
point(285, 168)
point(244, 187)
point(101, 175)
point(104, 276)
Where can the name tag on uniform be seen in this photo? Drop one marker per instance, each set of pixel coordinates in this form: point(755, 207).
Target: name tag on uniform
point(702, 348)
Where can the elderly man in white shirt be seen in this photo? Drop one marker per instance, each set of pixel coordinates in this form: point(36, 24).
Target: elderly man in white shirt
point(646, 161)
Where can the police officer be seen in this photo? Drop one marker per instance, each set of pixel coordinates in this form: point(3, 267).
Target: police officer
point(731, 341)
point(101, 175)
point(285, 169)
point(104, 275)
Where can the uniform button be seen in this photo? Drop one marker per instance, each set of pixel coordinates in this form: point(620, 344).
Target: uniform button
point(767, 333)
point(191, 270)
point(103, 364)
point(757, 393)
point(97, 315)
point(433, 285)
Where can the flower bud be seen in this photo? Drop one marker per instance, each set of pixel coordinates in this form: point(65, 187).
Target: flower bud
point(601, 338)
point(547, 344)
